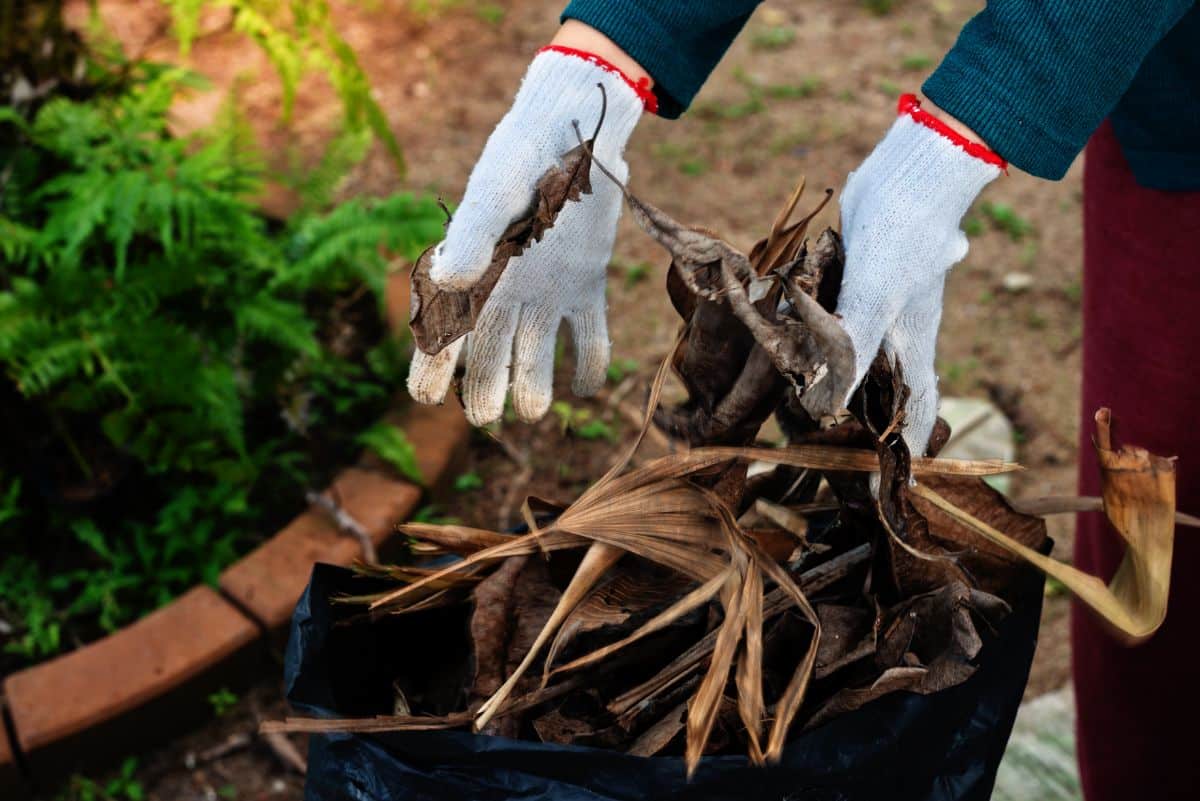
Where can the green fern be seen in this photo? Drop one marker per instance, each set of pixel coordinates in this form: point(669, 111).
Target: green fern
point(392, 445)
point(299, 38)
point(177, 359)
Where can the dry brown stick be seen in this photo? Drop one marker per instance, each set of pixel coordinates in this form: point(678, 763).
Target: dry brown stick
point(232, 743)
point(1069, 504)
point(519, 482)
point(616, 400)
point(345, 523)
point(385, 723)
point(286, 751)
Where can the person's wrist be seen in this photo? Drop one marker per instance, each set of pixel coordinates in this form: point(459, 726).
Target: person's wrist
point(952, 122)
point(576, 35)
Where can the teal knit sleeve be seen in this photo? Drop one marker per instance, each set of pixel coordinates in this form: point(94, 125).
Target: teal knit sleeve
point(1035, 78)
point(679, 43)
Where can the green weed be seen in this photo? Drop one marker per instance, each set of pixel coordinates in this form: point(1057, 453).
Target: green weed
point(390, 443)
point(468, 482)
point(773, 37)
point(917, 62)
point(618, 369)
point(878, 7)
point(1004, 217)
point(491, 13)
point(581, 422)
point(124, 786)
point(222, 701)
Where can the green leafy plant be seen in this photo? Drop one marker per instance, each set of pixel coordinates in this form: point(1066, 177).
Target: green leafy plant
point(300, 39)
point(467, 482)
point(391, 444)
point(124, 786)
point(634, 272)
point(917, 62)
point(1004, 217)
point(619, 368)
point(878, 7)
point(176, 371)
point(222, 701)
point(491, 13)
point(581, 422)
point(772, 37)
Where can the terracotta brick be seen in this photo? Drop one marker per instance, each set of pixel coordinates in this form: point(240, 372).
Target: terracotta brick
point(440, 435)
point(126, 670)
point(268, 581)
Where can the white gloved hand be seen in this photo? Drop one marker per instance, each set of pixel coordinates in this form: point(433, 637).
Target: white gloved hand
point(560, 277)
point(901, 212)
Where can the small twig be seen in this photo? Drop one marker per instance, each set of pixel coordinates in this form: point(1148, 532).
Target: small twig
point(234, 742)
point(614, 398)
point(635, 413)
point(286, 751)
point(515, 489)
point(519, 482)
point(279, 743)
point(345, 524)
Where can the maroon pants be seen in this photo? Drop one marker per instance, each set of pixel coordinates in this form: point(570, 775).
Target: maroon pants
point(1139, 708)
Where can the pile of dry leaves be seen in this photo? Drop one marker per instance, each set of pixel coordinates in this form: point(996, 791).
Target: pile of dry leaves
point(682, 605)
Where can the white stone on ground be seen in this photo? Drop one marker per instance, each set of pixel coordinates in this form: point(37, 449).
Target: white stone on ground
point(1039, 764)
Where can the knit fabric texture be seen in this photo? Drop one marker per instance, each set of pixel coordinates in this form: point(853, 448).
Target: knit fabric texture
point(562, 277)
point(1033, 77)
point(678, 43)
point(901, 212)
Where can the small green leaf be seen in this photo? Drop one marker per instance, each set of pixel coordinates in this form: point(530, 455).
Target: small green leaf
point(222, 701)
point(596, 429)
point(391, 444)
point(619, 368)
point(467, 482)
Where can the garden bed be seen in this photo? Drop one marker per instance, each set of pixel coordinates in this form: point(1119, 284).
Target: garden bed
point(145, 682)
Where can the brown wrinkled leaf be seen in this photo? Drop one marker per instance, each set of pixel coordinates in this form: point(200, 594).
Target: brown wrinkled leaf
point(629, 592)
point(555, 727)
point(511, 607)
point(439, 316)
point(849, 634)
point(1139, 500)
point(926, 644)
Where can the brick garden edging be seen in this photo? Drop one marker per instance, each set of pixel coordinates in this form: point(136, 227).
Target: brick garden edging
point(151, 679)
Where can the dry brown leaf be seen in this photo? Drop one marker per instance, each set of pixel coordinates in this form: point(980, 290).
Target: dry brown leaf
point(629, 592)
point(598, 559)
point(749, 676)
point(456, 538)
point(1139, 500)
point(689, 602)
point(439, 316)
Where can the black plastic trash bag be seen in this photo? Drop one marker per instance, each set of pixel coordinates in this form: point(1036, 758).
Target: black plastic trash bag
point(940, 747)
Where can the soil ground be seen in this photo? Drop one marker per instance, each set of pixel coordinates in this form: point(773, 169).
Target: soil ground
point(807, 90)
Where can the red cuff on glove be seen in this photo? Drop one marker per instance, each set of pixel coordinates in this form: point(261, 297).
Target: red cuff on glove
point(642, 87)
point(909, 104)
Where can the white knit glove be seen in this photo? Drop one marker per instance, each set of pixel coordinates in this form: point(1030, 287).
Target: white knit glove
point(900, 219)
point(560, 277)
